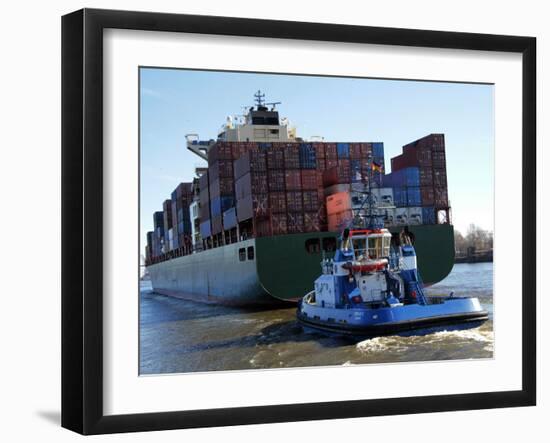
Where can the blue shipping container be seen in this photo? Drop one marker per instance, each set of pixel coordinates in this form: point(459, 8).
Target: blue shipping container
point(308, 156)
point(403, 177)
point(206, 230)
point(343, 150)
point(428, 215)
point(221, 204)
point(230, 218)
point(400, 197)
point(378, 150)
point(413, 196)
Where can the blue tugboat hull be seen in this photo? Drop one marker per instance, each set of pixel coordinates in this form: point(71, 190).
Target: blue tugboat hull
point(390, 320)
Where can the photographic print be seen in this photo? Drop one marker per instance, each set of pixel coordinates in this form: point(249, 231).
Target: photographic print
point(300, 221)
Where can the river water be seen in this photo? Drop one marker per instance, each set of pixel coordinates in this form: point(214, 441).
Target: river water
point(183, 336)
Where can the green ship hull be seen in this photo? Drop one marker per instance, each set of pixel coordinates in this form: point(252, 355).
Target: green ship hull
point(268, 270)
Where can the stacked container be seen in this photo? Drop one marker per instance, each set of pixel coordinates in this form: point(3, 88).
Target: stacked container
point(182, 197)
point(427, 156)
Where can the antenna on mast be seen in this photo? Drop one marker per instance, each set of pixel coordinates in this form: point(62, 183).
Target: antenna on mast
point(260, 98)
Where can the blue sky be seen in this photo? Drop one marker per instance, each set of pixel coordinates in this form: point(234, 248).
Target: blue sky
point(178, 102)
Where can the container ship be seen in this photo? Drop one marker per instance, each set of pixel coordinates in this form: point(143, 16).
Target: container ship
point(253, 227)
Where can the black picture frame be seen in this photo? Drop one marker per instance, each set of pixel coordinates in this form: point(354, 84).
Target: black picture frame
point(82, 215)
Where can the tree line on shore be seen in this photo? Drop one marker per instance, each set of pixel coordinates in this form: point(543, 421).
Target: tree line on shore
point(475, 241)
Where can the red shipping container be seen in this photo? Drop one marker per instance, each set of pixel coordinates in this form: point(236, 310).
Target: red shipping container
point(277, 202)
point(310, 200)
point(275, 157)
point(276, 180)
point(309, 179)
point(311, 222)
point(321, 164)
point(294, 202)
point(253, 182)
point(292, 156)
point(331, 152)
point(295, 222)
point(366, 150)
point(441, 198)
point(220, 151)
point(427, 195)
point(279, 224)
point(440, 178)
point(355, 151)
point(331, 163)
point(250, 161)
point(339, 202)
point(338, 221)
point(426, 177)
point(319, 150)
point(293, 180)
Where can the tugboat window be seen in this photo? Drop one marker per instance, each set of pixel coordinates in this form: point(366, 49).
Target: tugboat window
point(313, 246)
point(251, 252)
point(329, 244)
point(242, 254)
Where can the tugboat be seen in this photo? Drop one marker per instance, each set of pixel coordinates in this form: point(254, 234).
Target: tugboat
point(372, 286)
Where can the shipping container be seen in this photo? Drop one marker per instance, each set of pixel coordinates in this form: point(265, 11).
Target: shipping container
point(413, 196)
point(401, 216)
point(308, 156)
point(250, 162)
point(294, 201)
point(252, 206)
point(292, 156)
point(279, 224)
point(402, 178)
point(339, 202)
point(277, 202)
point(331, 151)
point(366, 150)
point(220, 168)
point(339, 220)
point(343, 150)
point(217, 224)
point(428, 215)
point(319, 150)
point(321, 164)
point(427, 195)
point(218, 205)
point(275, 157)
point(220, 151)
point(205, 229)
point(311, 221)
point(309, 179)
point(440, 178)
point(230, 219)
point(293, 179)
point(295, 222)
point(252, 182)
point(355, 151)
point(415, 216)
point(276, 180)
point(223, 186)
point(310, 201)
point(440, 198)
point(378, 150)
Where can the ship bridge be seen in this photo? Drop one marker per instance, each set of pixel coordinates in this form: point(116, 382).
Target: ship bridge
point(261, 123)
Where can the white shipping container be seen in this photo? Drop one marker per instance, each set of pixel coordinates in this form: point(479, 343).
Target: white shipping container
point(383, 196)
point(402, 216)
point(415, 216)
